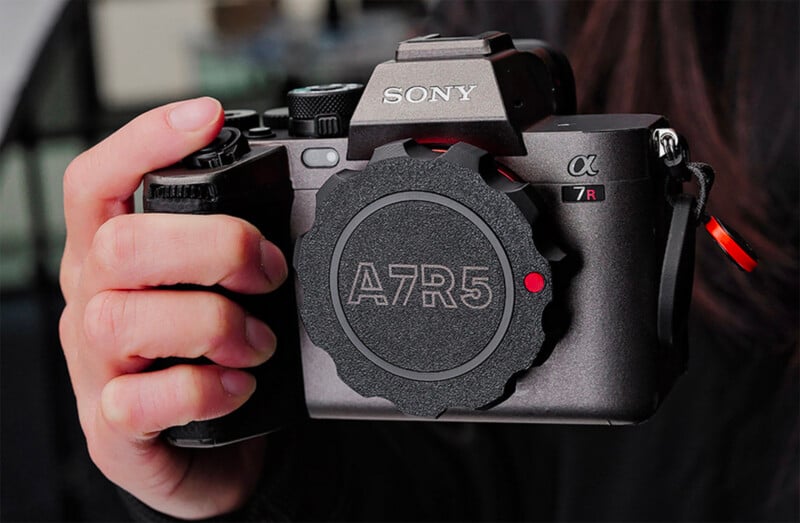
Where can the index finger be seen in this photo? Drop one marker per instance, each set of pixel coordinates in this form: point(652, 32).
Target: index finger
point(99, 183)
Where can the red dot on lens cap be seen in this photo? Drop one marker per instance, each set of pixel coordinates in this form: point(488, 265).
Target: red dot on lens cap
point(534, 282)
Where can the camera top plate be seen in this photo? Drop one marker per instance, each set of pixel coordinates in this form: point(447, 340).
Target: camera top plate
point(434, 47)
point(479, 90)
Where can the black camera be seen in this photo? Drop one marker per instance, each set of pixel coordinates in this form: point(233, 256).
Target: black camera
point(465, 247)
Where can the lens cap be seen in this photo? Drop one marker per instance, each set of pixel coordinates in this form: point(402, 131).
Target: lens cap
point(415, 279)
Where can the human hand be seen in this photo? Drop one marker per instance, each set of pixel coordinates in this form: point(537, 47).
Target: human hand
point(119, 318)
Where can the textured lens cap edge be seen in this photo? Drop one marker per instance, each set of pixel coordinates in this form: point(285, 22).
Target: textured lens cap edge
point(490, 343)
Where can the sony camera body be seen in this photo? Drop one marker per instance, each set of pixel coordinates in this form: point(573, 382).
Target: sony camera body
point(465, 248)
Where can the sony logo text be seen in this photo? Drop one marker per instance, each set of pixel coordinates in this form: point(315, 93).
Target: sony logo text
point(435, 93)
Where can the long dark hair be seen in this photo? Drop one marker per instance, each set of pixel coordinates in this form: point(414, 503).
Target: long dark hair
point(726, 75)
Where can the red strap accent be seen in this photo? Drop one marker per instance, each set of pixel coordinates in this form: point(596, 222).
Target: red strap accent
point(731, 247)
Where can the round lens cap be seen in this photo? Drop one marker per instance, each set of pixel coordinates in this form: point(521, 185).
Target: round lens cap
point(413, 279)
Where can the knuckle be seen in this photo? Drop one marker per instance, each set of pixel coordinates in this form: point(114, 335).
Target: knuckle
point(74, 172)
point(114, 244)
point(126, 404)
point(105, 319)
point(224, 319)
point(65, 327)
point(200, 394)
point(189, 388)
point(66, 280)
point(112, 404)
point(241, 264)
point(239, 239)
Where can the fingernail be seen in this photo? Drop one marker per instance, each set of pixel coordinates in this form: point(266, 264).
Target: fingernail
point(259, 336)
point(192, 115)
point(272, 262)
point(237, 383)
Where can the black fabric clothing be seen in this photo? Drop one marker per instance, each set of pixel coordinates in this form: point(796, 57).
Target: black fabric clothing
point(724, 446)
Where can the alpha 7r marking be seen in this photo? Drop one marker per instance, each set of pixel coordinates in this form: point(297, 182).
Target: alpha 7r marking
point(583, 193)
point(435, 285)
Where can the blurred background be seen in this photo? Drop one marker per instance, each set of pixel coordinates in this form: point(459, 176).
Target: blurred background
point(72, 72)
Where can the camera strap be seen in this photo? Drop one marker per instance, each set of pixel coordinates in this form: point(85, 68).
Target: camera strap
point(677, 274)
point(674, 152)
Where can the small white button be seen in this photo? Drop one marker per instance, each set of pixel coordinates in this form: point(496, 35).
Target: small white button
point(320, 157)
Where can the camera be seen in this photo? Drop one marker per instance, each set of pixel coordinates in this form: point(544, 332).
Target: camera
point(465, 247)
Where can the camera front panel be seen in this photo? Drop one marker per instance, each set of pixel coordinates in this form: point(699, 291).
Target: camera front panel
point(585, 218)
point(601, 361)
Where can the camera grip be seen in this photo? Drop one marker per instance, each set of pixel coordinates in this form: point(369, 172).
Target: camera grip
point(256, 189)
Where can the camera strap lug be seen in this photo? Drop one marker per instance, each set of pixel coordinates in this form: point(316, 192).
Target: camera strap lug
point(673, 151)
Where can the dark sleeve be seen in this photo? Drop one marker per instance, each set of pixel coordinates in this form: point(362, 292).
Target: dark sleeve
point(265, 504)
point(257, 509)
